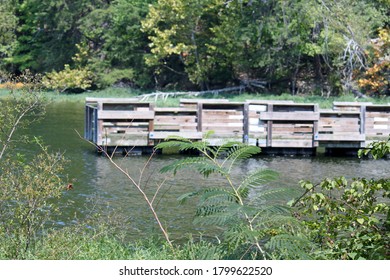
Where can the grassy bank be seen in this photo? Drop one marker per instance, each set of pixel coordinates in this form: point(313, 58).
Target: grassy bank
point(77, 243)
point(173, 101)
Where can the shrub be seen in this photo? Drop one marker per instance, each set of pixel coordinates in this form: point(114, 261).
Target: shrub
point(69, 80)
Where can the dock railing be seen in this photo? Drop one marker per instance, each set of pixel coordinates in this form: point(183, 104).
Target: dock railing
point(122, 122)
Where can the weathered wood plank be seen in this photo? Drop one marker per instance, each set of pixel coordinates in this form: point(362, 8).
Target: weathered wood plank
point(175, 110)
point(163, 135)
point(292, 144)
point(289, 116)
point(126, 115)
point(340, 137)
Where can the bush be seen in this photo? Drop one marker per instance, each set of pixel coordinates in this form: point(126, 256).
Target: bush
point(69, 80)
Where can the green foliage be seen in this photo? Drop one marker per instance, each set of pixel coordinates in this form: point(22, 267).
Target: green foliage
point(8, 23)
point(377, 149)
point(219, 41)
point(27, 195)
point(29, 186)
point(375, 80)
point(117, 44)
point(348, 219)
point(205, 43)
point(71, 80)
point(249, 213)
point(47, 34)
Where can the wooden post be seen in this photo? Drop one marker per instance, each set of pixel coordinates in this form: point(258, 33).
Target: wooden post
point(363, 123)
point(246, 123)
point(151, 126)
point(87, 124)
point(95, 126)
point(99, 125)
point(315, 127)
point(270, 110)
point(199, 116)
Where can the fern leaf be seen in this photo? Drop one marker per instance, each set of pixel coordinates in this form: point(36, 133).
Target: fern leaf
point(208, 134)
point(240, 152)
point(276, 195)
point(183, 198)
point(200, 163)
point(217, 196)
point(169, 144)
point(290, 246)
point(258, 178)
point(275, 220)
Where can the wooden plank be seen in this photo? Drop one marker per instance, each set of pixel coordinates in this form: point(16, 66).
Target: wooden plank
point(349, 106)
point(337, 137)
point(126, 115)
point(257, 108)
point(291, 136)
point(292, 144)
point(136, 139)
point(289, 116)
point(338, 113)
point(114, 100)
point(175, 119)
point(164, 134)
point(254, 101)
point(175, 110)
point(256, 129)
point(336, 129)
point(204, 101)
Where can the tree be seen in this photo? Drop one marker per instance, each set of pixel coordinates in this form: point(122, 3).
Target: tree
point(116, 44)
point(47, 34)
point(222, 42)
point(375, 80)
point(8, 24)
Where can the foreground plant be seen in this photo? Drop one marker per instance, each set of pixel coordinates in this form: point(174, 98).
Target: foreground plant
point(349, 219)
point(29, 185)
point(242, 207)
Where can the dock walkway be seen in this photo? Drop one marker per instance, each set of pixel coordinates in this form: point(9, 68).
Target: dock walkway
point(270, 124)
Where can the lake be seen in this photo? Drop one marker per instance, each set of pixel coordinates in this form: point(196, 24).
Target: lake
point(99, 188)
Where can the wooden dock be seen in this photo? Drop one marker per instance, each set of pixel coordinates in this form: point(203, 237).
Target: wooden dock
point(272, 125)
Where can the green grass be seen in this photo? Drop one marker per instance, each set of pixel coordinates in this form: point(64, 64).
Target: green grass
point(174, 101)
point(78, 243)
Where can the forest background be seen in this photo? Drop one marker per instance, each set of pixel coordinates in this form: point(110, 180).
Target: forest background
point(281, 46)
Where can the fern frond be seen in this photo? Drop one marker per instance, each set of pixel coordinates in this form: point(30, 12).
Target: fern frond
point(170, 144)
point(200, 163)
point(208, 134)
point(240, 152)
point(275, 195)
point(290, 246)
point(258, 178)
point(183, 198)
point(217, 196)
point(240, 234)
point(275, 220)
point(210, 210)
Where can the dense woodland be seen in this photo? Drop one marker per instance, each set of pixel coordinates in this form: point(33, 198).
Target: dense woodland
point(319, 46)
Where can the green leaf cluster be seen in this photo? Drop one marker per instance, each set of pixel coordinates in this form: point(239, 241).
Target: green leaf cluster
point(29, 184)
point(348, 219)
point(250, 213)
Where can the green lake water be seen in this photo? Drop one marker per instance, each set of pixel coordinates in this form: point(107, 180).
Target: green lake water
point(100, 188)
